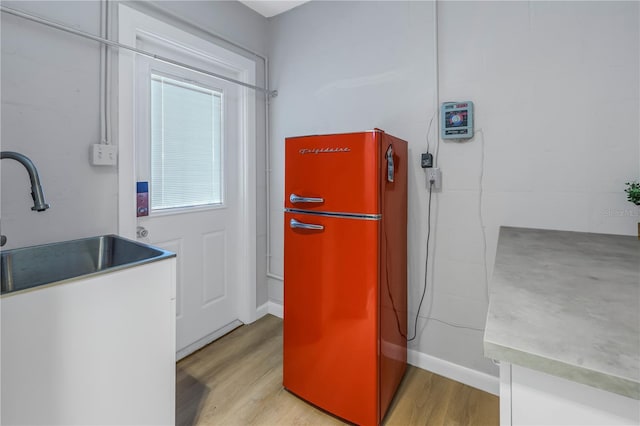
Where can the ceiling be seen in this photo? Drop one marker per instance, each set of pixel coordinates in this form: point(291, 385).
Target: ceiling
point(269, 8)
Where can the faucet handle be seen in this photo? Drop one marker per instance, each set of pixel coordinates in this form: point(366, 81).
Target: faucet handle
point(3, 240)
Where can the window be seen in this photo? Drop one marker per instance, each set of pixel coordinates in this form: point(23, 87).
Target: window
point(186, 146)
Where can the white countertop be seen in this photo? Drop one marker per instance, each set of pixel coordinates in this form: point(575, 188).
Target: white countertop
point(568, 304)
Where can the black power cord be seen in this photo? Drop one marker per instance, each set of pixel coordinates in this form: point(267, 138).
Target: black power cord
point(426, 268)
point(426, 265)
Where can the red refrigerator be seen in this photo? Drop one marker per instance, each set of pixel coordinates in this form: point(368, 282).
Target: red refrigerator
point(345, 272)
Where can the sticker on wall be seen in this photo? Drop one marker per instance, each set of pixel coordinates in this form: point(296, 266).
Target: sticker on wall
point(142, 197)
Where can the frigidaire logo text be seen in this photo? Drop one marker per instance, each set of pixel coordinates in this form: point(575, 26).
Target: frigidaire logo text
point(323, 150)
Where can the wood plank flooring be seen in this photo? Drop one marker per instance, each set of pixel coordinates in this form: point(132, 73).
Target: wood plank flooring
point(237, 380)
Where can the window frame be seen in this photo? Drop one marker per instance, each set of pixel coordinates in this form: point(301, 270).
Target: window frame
point(147, 157)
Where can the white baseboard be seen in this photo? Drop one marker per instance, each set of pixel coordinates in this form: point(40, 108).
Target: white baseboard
point(276, 309)
point(262, 310)
point(468, 376)
point(273, 308)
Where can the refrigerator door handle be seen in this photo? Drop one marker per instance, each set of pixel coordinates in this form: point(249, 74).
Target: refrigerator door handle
point(298, 199)
point(300, 225)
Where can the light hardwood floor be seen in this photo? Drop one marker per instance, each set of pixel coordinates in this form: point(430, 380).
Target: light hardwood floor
point(237, 380)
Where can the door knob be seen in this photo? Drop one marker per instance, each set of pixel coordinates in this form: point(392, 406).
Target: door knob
point(141, 232)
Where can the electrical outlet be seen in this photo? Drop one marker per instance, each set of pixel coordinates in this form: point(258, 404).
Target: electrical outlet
point(104, 155)
point(434, 177)
point(426, 160)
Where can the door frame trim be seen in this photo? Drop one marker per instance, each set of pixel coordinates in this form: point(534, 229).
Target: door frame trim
point(184, 352)
point(131, 23)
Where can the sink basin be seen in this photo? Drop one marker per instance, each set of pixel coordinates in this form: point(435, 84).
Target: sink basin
point(30, 267)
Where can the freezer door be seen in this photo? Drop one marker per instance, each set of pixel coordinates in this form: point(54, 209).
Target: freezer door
point(331, 314)
point(333, 173)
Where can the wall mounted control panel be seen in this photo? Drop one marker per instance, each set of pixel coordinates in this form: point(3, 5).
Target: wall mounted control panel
point(457, 120)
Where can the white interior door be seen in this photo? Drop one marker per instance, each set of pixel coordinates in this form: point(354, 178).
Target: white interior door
point(187, 149)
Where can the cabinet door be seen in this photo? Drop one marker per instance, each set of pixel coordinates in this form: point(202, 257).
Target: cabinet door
point(96, 350)
point(331, 315)
point(542, 399)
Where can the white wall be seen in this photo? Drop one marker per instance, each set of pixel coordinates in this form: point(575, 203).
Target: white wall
point(50, 92)
point(555, 87)
point(50, 112)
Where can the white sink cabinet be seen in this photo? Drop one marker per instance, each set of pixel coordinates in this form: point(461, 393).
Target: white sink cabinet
point(98, 350)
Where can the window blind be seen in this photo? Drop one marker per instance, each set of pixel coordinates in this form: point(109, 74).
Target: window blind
point(186, 146)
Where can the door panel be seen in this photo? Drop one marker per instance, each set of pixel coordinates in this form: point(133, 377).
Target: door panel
point(214, 250)
point(330, 307)
point(205, 300)
point(345, 178)
point(175, 246)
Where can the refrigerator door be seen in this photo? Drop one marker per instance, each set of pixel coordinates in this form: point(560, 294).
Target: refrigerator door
point(330, 309)
point(333, 173)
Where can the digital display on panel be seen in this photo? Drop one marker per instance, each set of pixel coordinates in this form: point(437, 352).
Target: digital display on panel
point(456, 119)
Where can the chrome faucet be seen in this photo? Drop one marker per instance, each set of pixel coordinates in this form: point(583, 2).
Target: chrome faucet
point(39, 203)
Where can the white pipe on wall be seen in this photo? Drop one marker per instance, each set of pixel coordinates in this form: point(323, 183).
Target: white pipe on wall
point(133, 49)
point(103, 74)
point(268, 175)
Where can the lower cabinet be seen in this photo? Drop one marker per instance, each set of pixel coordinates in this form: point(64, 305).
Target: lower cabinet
point(530, 397)
point(97, 350)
